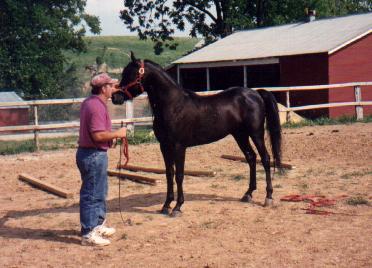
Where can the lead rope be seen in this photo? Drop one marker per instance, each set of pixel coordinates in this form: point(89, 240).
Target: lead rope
point(123, 150)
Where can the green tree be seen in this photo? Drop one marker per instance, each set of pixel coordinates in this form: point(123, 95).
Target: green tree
point(33, 36)
point(212, 19)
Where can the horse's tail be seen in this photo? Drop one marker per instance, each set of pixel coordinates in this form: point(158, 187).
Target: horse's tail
point(273, 124)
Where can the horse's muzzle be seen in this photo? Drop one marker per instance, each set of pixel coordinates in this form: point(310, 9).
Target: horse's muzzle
point(118, 98)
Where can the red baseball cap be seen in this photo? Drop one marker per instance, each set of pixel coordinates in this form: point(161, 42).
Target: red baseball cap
point(102, 79)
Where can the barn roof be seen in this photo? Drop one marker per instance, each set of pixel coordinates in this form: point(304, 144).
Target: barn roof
point(319, 36)
point(11, 96)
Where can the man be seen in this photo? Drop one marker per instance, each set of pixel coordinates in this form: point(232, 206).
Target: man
point(95, 138)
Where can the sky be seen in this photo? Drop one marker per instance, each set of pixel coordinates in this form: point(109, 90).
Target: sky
point(108, 11)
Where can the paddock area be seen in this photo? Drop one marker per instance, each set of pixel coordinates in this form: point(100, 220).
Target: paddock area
point(39, 229)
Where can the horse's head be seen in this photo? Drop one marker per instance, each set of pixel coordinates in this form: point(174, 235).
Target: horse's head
point(131, 81)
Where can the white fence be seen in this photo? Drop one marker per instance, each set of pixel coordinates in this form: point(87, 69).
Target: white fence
point(358, 103)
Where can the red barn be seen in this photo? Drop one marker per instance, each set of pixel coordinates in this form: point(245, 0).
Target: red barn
point(325, 51)
point(12, 115)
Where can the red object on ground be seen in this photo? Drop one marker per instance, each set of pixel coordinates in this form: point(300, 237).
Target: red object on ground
point(315, 201)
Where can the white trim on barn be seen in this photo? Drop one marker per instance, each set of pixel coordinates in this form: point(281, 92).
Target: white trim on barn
point(229, 63)
point(349, 42)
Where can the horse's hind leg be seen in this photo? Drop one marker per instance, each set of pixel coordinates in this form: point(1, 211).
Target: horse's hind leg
point(250, 156)
point(180, 166)
point(168, 156)
point(259, 142)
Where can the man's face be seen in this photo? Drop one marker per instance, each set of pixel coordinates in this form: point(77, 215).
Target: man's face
point(108, 89)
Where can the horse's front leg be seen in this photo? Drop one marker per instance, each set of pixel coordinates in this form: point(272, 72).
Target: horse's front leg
point(180, 152)
point(168, 155)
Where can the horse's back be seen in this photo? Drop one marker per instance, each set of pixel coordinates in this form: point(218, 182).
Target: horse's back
point(205, 119)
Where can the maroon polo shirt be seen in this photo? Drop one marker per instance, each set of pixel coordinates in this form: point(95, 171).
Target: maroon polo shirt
point(94, 117)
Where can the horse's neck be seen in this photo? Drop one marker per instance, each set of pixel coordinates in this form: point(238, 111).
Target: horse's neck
point(161, 89)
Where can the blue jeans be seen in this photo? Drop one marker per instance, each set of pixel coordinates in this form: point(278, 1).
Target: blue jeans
point(92, 164)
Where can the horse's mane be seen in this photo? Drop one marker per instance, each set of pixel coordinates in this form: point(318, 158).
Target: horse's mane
point(170, 78)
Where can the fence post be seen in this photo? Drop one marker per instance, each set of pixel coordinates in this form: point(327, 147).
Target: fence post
point(208, 80)
point(36, 132)
point(358, 98)
point(245, 83)
point(288, 115)
point(129, 115)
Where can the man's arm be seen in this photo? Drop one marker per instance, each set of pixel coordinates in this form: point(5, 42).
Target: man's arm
point(102, 136)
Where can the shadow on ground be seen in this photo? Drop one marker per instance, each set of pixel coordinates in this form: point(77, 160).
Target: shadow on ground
point(132, 203)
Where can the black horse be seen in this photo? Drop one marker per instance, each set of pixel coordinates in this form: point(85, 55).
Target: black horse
point(183, 119)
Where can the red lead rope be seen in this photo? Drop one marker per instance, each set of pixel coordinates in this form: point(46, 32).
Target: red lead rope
point(124, 151)
point(314, 201)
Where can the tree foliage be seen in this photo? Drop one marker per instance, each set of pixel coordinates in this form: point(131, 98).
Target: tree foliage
point(33, 36)
point(212, 19)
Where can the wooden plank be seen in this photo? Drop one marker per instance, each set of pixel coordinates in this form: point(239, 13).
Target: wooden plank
point(129, 176)
point(45, 186)
point(242, 159)
point(329, 105)
point(317, 87)
point(43, 102)
point(69, 125)
point(162, 171)
point(144, 95)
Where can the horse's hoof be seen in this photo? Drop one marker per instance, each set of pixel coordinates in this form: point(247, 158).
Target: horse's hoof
point(176, 213)
point(165, 211)
point(246, 198)
point(268, 202)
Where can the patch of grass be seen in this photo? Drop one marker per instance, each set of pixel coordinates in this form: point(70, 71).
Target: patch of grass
point(358, 200)
point(124, 237)
point(303, 186)
point(113, 51)
point(141, 135)
point(330, 173)
point(149, 217)
point(217, 186)
point(322, 121)
point(238, 177)
point(356, 174)
point(208, 225)
point(277, 186)
point(47, 234)
point(258, 220)
point(16, 147)
point(47, 144)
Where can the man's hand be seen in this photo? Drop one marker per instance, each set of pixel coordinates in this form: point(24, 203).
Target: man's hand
point(121, 132)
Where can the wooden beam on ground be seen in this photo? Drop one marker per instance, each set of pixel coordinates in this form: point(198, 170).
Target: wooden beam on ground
point(45, 186)
point(162, 171)
point(129, 176)
point(242, 159)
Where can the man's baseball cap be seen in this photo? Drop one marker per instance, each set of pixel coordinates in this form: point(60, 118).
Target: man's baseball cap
point(102, 79)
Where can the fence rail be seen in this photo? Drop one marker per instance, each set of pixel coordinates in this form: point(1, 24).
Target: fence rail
point(358, 103)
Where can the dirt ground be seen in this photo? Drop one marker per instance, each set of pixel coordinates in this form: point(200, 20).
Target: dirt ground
point(38, 229)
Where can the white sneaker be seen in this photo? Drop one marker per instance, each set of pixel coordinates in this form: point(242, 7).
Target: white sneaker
point(94, 239)
point(105, 230)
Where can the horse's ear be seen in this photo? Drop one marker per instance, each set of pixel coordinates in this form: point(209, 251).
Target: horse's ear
point(133, 58)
